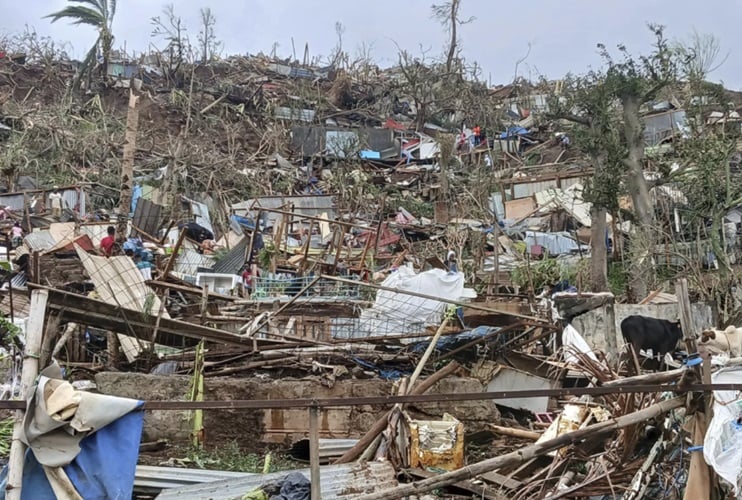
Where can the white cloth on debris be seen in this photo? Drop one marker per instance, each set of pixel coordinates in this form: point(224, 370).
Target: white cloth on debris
point(722, 447)
point(573, 341)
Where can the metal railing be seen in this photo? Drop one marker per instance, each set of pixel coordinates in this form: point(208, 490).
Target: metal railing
point(273, 287)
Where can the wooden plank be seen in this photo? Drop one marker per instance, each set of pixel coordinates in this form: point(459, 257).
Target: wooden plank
point(516, 209)
point(84, 310)
point(195, 290)
point(479, 490)
point(29, 371)
point(500, 480)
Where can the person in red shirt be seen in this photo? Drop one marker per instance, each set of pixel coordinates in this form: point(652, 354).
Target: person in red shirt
point(106, 244)
point(477, 135)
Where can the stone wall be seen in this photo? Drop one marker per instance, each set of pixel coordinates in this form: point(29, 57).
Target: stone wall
point(601, 327)
point(248, 427)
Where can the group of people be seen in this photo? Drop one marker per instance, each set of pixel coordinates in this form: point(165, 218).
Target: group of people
point(132, 247)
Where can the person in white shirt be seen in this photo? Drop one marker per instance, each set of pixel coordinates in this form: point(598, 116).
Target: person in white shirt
point(55, 200)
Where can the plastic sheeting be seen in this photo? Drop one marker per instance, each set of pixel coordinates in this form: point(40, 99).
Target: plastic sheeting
point(722, 447)
point(451, 342)
point(396, 313)
point(573, 341)
point(555, 243)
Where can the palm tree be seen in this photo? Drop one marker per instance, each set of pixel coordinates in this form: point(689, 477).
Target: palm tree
point(96, 13)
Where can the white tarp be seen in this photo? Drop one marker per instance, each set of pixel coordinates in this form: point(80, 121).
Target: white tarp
point(573, 341)
point(395, 312)
point(722, 447)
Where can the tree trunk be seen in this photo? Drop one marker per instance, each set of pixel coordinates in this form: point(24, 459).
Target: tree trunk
point(127, 166)
point(641, 269)
point(598, 250)
point(452, 45)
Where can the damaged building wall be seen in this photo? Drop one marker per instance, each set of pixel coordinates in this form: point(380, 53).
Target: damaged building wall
point(601, 327)
point(286, 425)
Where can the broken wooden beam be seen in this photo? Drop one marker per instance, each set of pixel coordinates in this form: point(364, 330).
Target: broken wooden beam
point(528, 452)
point(194, 290)
point(481, 490)
point(649, 378)
point(513, 432)
point(381, 423)
point(86, 311)
point(29, 371)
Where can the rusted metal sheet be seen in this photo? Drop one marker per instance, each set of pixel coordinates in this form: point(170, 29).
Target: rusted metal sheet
point(147, 216)
point(437, 443)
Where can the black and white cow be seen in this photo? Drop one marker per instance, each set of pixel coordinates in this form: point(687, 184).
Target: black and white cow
point(659, 335)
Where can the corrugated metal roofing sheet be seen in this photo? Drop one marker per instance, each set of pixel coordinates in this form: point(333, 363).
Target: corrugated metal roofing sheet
point(189, 261)
point(338, 481)
point(38, 241)
point(148, 216)
point(152, 478)
point(304, 115)
point(234, 260)
point(303, 205)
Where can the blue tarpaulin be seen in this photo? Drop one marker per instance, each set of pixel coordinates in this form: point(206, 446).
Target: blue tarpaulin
point(136, 193)
point(512, 132)
point(245, 222)
point(104, 468)
point(385, 373)
point(451, 342)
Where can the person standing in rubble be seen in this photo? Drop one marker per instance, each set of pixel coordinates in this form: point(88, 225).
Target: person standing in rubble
point(107, 243)
point(477, 135)
point(451, 265)
point(55, 200)
point(16, 234)
point(144, 265)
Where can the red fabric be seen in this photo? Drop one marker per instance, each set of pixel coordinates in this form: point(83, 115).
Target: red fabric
point(106, 245)
point(394, 125)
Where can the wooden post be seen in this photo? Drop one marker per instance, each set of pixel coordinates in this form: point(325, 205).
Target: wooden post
point(375, 431)
point(316, 487)
point(496, 257)
point(248, 253)
point(204, 303)
point(174, 255)
point(36, 267)
point(341, 239)
point(307, 244)
point(428, 351)
point(32, 351)
point(10, 297)
point(362, 263)
point(127, 164)
point(684, 310)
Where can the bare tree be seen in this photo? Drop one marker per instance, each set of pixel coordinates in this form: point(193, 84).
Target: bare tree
point(208, 45)
point(447, 14)
point(173, 31)
point(338, 55)
point(700, 55)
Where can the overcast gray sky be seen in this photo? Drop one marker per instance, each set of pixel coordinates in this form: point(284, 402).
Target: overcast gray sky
point(562, 34)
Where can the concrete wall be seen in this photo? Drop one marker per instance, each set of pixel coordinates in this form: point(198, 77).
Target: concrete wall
point(601, 327)
point(249, 427)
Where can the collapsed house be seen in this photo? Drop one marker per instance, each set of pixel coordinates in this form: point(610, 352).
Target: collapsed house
point(394, 351)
